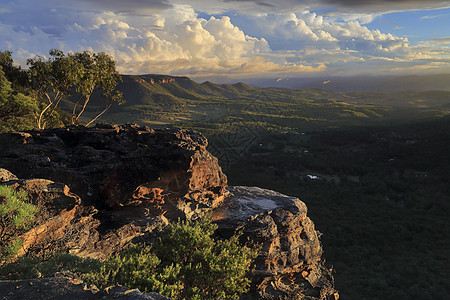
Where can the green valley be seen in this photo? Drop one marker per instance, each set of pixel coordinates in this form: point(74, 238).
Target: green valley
point(160, 99)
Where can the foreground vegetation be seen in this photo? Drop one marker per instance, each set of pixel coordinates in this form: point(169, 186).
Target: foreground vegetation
point(17, 214)
point(185, 264)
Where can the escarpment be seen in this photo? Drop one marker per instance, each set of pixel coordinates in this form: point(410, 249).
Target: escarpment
point(109, 185)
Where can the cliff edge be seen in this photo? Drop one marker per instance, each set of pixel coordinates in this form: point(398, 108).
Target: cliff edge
point(106, 186)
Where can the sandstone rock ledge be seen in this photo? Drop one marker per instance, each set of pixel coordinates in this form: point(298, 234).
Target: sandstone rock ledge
point(103, 187)
point(112, 165)
point(289, 264)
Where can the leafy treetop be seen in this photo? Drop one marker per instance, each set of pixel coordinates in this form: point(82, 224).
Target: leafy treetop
point(17, 111)
point(14, 74)
point(85, 72)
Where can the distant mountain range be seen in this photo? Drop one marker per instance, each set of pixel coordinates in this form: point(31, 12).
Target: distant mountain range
point(166, 91)
point(360, 84)
point(160, 100)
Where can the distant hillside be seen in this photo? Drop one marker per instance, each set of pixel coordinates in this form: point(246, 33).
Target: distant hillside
point(167, 91)
point(361, 83)
point(161, 100)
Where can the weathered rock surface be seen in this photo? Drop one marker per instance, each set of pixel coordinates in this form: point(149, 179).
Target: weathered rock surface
point(289, 264)
point(64, 224)
point(111, 165)
point(116, 184)
point(65, 285)
point(6, 175)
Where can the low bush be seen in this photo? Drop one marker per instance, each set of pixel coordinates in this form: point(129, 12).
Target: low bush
point(16, 215)
point(186, 264)
point(137, 267)
point(209, 269)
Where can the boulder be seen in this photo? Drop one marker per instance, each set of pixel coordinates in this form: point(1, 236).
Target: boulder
point(289, 263)
point(54, 196)
point(111, 165)
point(6, 175)
point(65, 224)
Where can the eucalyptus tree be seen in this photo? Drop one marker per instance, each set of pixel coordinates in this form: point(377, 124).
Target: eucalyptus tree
point(99, 73)
point(51, 79)
point(82, 72)
point(17, 110)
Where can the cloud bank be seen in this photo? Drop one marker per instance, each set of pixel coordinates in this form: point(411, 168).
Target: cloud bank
point(251, 6)
point(173, 37)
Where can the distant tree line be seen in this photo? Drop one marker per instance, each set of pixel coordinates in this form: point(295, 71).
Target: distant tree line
point(31, 98)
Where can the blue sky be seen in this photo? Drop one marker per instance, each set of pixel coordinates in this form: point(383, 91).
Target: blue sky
point(238, 38)
point(418, 26)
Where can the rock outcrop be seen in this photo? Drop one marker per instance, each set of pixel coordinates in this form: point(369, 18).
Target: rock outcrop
point(127, 165)
point(289, 264)
point(64, 224)
point(6, 175)
point(109, 185)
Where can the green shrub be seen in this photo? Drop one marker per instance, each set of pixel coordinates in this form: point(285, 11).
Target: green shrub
point(22, 268)
point(16, 215)
point(187, 264)
point(137, 267)
point(65, 261)
point(209, 269)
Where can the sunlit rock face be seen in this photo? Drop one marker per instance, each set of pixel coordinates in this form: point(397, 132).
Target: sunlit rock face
point(289, 264)
point(6, 175)
point(111, 165)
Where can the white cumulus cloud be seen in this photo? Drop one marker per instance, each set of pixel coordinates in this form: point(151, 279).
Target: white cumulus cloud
point(174, 41)
point(175, 37)
point(308, 30)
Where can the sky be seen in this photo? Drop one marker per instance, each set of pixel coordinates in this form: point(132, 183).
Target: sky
point(238, 38)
